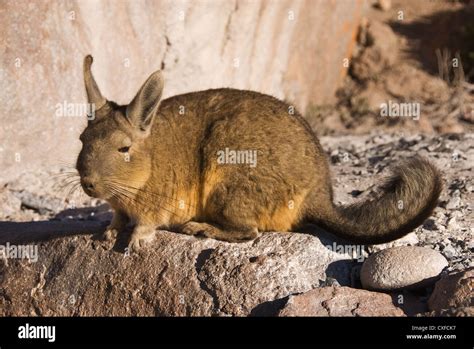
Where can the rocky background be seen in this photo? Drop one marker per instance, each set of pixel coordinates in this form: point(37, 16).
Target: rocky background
point(430, 272)
point(293, 49)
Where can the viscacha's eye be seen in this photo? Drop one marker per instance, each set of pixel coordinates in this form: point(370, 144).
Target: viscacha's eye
point(124, 149)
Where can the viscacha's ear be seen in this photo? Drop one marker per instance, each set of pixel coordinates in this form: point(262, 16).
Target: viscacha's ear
point(142, 109)
point(93, 93)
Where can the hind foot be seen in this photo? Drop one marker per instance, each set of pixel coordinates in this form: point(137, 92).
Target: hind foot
point(211, 231)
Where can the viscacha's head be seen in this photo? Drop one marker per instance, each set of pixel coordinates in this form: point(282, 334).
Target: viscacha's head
point(115, 158)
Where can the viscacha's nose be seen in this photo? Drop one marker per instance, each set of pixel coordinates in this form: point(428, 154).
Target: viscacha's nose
point(88, 184)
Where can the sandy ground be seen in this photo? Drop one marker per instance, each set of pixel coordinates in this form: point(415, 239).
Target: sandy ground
point(408, 59)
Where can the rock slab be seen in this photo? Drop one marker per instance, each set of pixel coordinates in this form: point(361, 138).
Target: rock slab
point(340, 301)
point(176, 275)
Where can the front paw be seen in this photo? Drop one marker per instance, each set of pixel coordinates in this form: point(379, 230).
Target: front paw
point(140, 237)
point(110, 234)
point(108, 237)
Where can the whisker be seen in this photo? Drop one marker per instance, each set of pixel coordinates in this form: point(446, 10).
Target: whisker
point(71, 189)
point(119, 197)
point(131, 196)
point(64, 187)
point(65, 174)
point(144, 195)
point(158, 195)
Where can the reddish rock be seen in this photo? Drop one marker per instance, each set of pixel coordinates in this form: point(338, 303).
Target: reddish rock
point(340, 301)
point(381, 51)
point(453, 291)
point(458, 312)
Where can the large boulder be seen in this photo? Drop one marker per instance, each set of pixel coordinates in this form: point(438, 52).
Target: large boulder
point(267, 46)
point(175, 275)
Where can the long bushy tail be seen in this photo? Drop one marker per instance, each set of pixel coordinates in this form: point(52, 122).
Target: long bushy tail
point(408, 197)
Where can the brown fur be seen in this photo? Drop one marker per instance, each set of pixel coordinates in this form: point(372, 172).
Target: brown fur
point(173, 177)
